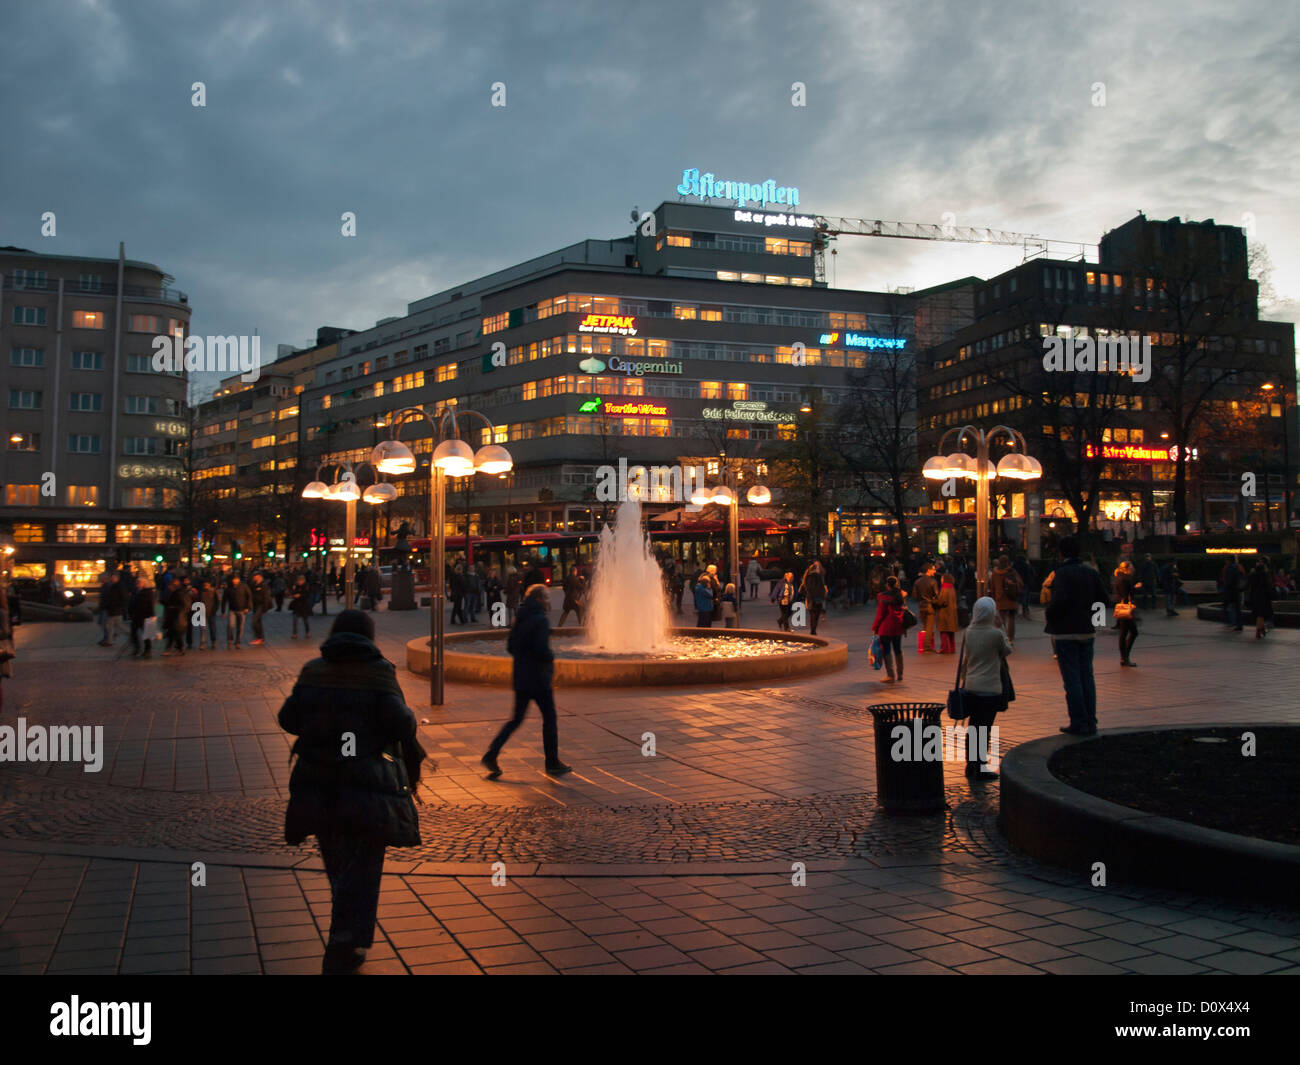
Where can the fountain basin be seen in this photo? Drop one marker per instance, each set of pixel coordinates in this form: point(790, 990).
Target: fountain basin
point(815, 655)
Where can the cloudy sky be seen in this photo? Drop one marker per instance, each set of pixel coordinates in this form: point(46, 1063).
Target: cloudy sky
point(913, 109)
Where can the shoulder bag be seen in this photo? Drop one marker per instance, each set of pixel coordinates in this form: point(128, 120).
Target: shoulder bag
point(957, 709)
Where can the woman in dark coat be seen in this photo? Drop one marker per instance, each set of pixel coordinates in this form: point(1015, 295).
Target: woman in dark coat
point(1126, 587)
point(1259, 597)
point(300, 606)
point(350, 787)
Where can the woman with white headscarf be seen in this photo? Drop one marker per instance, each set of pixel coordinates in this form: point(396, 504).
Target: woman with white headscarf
point(986, 648)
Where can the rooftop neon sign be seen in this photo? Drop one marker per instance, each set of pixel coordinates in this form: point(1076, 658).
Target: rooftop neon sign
point(861, 340)
point(708, 187)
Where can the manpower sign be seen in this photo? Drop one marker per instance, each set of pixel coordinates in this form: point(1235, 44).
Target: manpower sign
point(708, 187)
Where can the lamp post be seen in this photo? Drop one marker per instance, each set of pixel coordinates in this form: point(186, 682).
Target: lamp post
point(452, 457)
point(344, 489)
point(727, 495)
point(1017, 465)
point(1286, 459)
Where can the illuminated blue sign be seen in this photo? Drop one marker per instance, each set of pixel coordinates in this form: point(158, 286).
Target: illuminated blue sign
point(861, 340)
point(707, 187)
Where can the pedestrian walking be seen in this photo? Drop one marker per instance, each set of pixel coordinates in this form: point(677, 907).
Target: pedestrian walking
point(373, 587)
point(945, 613)
point(753, 573)
point(238, 601)
point(456, 592)
point(1231, 580)
point(207, 596)
point(889, 626)
point(983, 682)
point(1076, 590)
point(782, 595)
point(729, 617)
point(352, 786)
point(300, 607)
point(925, 591)
point(532, 676)
point(1148, 581)
point(1126, 595)
point(812, 587)
point(715, 588)
point(1169, 582)
point(678, 586)
point(1026, 574)
point(703, 603)
point(277, 591)
point(113, 604)
point(176, 616)
point(513, 591)
point(575, 594)
point(1259, 597)
point(1005, 588)
point(141, 610)
point(472, 592)
point(261, 592)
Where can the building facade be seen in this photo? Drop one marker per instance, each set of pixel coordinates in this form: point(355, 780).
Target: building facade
point(1145, 383)
point(92, 430)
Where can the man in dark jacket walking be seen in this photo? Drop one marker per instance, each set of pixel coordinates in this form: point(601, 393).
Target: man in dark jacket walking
point(1077, 592)
point(113, 603)
point(261, 604)
point(351, 787)
point(533, 673)
point(141, 610)
point(238, 602)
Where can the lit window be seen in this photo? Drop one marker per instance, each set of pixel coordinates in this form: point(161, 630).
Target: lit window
point(685, 310)
point(144, 323)
point(710, 390)
point(88, 319)
point(728, 275)
point(29, 534)
point(83, 495)
point(80, 533)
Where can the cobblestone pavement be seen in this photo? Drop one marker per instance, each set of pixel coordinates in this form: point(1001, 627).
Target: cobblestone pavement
point(677, 862)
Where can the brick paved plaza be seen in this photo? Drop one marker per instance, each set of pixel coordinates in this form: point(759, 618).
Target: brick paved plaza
point(681, 862)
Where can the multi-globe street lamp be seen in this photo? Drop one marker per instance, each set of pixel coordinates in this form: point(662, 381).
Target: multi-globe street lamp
point(727, 495)
point(1018, 465)
point(452, 457)
point(345, 489)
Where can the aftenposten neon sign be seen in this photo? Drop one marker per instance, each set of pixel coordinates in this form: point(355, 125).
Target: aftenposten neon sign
point(707, 187)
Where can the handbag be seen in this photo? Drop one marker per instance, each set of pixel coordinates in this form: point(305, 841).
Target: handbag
point(876, 654)
point(957, 709)
point(1008, 688)
point(149, 630)
point(909, 619)
point(1124, 611)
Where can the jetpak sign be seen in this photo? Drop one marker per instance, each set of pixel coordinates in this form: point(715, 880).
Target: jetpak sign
point(708, 187)
point(622, 324)
point(861, 340)
point(748, 411)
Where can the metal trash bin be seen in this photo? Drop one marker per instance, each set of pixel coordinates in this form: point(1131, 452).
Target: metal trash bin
point(913, 784)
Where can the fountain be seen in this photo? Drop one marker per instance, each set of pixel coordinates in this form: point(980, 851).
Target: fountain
point(627, 610)
point(629, 638)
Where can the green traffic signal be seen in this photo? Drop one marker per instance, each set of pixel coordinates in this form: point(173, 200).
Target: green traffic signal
point(157, 558)
point(239, 554)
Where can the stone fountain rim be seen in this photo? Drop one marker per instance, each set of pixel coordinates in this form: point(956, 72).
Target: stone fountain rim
point(827, 655)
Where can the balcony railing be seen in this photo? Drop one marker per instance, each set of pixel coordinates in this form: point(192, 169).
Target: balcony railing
point(74, 288)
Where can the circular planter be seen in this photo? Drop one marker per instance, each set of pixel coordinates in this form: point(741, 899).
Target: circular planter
point(1057, 823)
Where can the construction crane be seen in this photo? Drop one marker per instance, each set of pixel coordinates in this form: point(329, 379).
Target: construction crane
point(827, 229)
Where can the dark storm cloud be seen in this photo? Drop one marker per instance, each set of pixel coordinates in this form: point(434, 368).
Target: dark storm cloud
point(913, 110)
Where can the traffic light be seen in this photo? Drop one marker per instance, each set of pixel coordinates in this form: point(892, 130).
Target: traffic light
point(158, 559)
point(305, 554)
point(239, 554)
point(271, 553)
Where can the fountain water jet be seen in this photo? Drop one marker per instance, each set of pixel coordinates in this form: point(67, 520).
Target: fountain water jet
point(627, 608)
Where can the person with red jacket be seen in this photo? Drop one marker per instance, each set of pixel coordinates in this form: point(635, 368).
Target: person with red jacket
point(890, 628)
